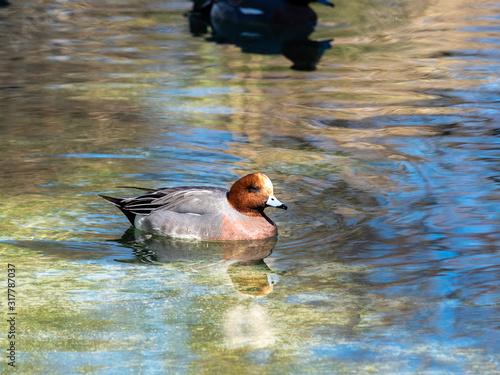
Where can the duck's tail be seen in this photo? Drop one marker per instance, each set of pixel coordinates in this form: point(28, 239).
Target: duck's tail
point(115, 201)
point(118, 202)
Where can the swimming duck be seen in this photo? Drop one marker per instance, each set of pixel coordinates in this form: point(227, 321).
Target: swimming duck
point(205, 213)
point(278, 12)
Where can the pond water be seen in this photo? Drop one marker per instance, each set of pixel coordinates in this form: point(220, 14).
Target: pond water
point(388, 156)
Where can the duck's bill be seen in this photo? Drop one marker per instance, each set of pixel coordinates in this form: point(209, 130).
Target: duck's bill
point(272, 201)
point(326, 2)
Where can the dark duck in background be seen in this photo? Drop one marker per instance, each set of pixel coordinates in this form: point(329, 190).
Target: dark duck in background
point(263, 27)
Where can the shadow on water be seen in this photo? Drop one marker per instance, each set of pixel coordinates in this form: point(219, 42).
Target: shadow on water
point(243, 261)
point(265, 28)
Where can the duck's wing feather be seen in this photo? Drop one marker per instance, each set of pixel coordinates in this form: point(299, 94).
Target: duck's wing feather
point(192, 200)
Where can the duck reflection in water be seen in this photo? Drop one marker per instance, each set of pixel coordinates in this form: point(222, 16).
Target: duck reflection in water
point(263, 27)
point(242, 261)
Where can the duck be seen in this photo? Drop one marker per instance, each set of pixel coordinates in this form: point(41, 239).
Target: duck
point(205, 212)
point(279, 12)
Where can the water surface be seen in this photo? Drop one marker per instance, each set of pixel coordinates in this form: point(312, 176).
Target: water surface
point(387, 156)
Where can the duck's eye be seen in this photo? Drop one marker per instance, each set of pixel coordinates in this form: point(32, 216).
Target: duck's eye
point(253, 189)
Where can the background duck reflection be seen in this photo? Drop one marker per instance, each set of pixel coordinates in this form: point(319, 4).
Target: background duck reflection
point(262, 27)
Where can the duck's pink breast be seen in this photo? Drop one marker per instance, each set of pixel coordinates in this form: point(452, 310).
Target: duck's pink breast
point(247, 228)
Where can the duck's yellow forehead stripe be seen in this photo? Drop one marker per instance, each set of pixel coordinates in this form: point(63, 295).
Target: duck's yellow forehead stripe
point(267, 185)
